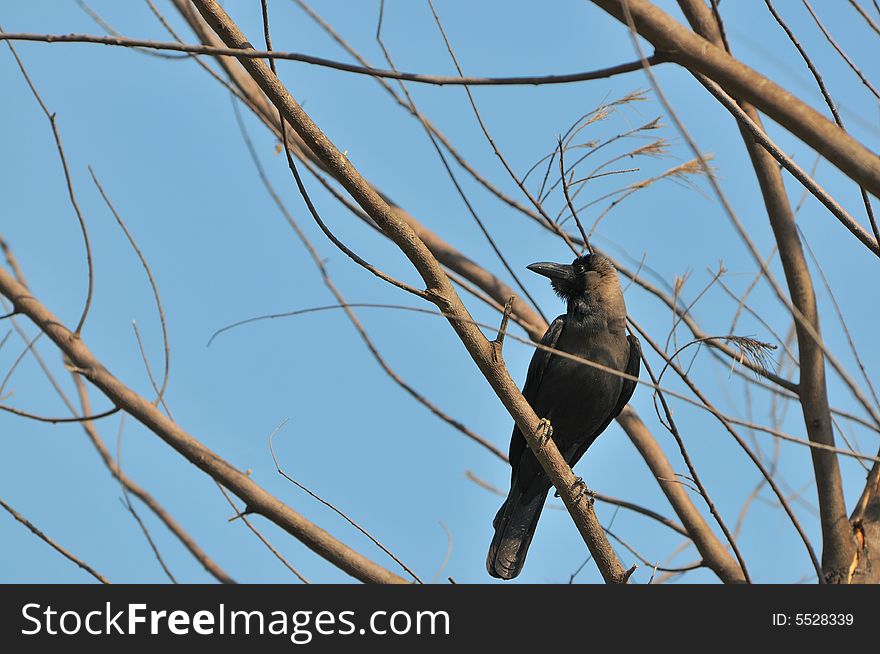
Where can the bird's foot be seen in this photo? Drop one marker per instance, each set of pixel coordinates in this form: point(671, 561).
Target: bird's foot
point(580, 489)
point(544, 432)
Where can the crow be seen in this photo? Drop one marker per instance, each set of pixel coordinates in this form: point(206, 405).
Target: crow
point(578, 400)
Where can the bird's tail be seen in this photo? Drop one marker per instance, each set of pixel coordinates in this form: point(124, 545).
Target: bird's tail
point(514, 527)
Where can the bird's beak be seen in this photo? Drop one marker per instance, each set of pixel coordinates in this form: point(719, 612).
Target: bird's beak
point(557, 271)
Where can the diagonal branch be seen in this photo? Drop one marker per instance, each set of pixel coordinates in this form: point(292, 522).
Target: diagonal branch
point(838, 546)
point(461, 265)
point(58, 548)
point(439, 289)
point(437, 80)
point(758, 134)
point(256, 499)
point(742, 82)
point(449, 256)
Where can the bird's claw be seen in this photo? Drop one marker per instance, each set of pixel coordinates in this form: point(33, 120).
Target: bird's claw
point(544, 432)
point(582, 490)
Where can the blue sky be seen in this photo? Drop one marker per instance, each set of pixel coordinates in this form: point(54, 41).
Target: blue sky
point(161, 136)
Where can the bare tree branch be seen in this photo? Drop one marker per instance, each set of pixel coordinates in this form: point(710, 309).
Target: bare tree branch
point(714, 554)
point(56, 134)
point(257, 499)
point(437, 80)
point(699, 55)
point(838, 546)
point(788, 163)
point(330, 284)
point(841, 51)
point(39, 534)
point(869, 210)
point(439, 290)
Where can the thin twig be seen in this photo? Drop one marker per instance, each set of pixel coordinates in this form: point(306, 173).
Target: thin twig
point(559, 353)
point(128, 505)
point(535, 202)
point(871, 242)
point(54, 420)
point(461, 193)
point(700, 488)
point(726, 423)
point(331, 506)
point(160, 392)
point(263, 539)
point(107, 27)
point(448, 554)
point(871, 22)
point(27, 523)
point(571, 208)
point(69, 182)
point(601, 497)
point(841, 51)
point(827, 96)
point(81, 358)
point(438, 80)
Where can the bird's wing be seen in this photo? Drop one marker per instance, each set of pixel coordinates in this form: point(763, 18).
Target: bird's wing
point(541, 359)
point(633, 367)
point(537, 367)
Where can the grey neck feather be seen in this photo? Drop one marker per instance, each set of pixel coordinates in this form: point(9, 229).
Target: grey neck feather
point(604, 308)
point(587, 313)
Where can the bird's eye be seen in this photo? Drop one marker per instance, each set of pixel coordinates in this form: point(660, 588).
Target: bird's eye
point(579, 269)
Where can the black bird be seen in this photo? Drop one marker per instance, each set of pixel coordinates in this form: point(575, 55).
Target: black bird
point(578, 400)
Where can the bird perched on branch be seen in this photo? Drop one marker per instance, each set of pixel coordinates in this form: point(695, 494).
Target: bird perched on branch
point(577, 399)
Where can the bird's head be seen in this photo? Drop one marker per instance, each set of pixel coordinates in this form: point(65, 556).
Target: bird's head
point(590, 279)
